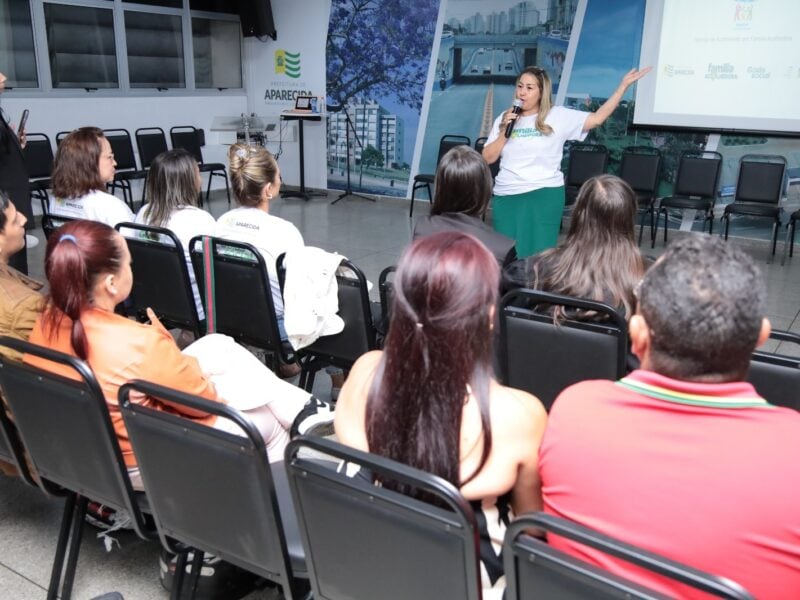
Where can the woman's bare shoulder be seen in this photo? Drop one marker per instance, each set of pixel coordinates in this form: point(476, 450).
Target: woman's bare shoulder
point(516, 408)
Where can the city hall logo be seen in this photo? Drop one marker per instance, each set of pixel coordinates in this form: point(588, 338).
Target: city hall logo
point(673, 71)
point(287, 63)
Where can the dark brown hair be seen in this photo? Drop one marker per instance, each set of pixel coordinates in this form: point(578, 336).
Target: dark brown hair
point(77, 254)
point(599, 259)
point(438, 351)
point(171, 185)
point(463, 183)
point(76, 169)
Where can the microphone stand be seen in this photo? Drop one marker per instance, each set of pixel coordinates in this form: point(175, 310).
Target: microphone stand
point(348, 191)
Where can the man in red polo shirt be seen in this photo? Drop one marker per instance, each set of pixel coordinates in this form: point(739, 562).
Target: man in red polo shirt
point(683, 457)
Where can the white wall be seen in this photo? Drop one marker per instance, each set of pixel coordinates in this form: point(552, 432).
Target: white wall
point(302, 26)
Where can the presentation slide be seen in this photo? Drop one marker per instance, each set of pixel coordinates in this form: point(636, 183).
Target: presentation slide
point(721, 64)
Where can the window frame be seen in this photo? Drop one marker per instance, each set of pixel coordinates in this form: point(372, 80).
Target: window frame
point(44, 74)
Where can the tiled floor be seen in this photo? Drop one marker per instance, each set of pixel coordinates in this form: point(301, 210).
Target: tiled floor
point(372, 235)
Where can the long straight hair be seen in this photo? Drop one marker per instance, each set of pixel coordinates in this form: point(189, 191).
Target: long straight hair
point(438, 352)
point(463, 183)
point(77, 254)
point(171, 186)
point(599, 257)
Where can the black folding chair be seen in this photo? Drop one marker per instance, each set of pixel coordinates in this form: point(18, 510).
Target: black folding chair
point(38, 157)
point(214, 491)
point(493, 167)
point(368, 541)
point(758, 191)
point(127, 170)
point(161, 278)
point(788, 247)
point(358, 336)
point(585, 161)
point(536, 570)
point(51, 222)
point(695, 187)
point(641, 168)
point(244, 306)
point(386, 295)
point(425, 180)
point(150, 142)
point(777, 376)
point(65, 426)
point(192, 140)
point(543, 357)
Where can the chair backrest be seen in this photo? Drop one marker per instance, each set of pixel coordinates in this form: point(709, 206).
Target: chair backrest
point(777, 376)
point(65, 426)
point(188, 138)
point(366, 541)
point(60, 136)
point(543, 357)
point(448, 142)
point(38, 155)
point(11, 449)
point(535, 569)
point(151, 141)
point(493, 167)
point(243, 294)
point(640, 168)
point(160, 277)
point(386, 294)
point(209, 489)
point(585, 161)
point(358, 335)
point(698, 174)
point(52, 222)
point(121, 146)
point(761, 178)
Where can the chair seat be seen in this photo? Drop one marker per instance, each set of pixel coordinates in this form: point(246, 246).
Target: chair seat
point(206, 167)
point(751, 208)
point(424, 178)
point(41, 184)
point(686, 202)
point(291, 530)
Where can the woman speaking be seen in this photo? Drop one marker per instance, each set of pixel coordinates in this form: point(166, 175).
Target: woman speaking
point(528, 139)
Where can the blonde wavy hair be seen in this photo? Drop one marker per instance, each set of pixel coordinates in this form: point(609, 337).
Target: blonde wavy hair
point(251, 169)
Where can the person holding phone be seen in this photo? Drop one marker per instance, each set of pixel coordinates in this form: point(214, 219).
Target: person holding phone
point(528, 140)
point(14, 176)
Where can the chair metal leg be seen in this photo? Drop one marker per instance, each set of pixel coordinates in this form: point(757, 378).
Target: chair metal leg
point(791, 245)
point(179, 575)
point(197, 566)
point(61, 546)
point(789, 242)
point(653, 236)
point(727, 218)
point(74, 547)
point(775, 226)
point(411, 208)
point(666, 223)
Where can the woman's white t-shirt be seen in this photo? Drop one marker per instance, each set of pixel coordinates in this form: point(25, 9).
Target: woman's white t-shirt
point(272, 236)
point(94, 206)
point(531, 160)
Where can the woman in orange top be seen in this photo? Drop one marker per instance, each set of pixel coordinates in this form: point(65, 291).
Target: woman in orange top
point(88, 266)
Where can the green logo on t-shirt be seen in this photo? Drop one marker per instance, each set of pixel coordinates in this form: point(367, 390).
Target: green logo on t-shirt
point(526, 132)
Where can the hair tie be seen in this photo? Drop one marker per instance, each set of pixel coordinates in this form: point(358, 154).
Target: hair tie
point(68, 237)
point(241, 153)
point(419, 325)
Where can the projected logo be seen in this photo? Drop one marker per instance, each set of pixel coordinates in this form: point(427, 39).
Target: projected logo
point(743, 14)
point(287, 63)
point(673, 71)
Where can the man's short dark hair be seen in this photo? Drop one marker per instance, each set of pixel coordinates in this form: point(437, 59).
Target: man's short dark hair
point(704, 302)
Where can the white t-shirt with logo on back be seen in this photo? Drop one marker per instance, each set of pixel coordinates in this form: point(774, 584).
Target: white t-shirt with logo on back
point(272, 236)
point(94, 206)
point(531, 160)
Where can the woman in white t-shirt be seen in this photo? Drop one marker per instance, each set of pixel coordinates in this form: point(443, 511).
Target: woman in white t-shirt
point(256, 180)
point(529, 188)
point(173, 185)
point(83, 165)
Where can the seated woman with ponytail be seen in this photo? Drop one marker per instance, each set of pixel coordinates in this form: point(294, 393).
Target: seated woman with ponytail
point(88, 266)
point(429, 399)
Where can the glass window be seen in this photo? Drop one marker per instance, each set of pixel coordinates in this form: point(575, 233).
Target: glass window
point(155, 50)
point(17, 53)
point(167, 3)
point(217, 53)
point(81, 46)
point(217, 6)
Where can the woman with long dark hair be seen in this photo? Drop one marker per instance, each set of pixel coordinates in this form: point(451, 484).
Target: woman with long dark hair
point(463, 191)
point(83, 166)
point(173, 185)
point(529, 188)
point(429, 399)
point(599, 259)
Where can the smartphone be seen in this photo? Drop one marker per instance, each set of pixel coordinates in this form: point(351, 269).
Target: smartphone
point(22, 121)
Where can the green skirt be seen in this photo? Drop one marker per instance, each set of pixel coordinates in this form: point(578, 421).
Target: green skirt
point(533, 219)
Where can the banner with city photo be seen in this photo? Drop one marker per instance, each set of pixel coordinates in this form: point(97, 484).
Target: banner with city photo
point(378, 52)
point(483, 47)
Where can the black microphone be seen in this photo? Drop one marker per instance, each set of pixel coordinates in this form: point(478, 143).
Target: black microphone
point(516, 109)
